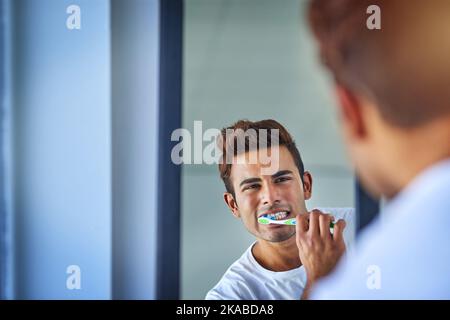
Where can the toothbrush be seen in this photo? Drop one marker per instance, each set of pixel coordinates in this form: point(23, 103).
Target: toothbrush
point(288, 222)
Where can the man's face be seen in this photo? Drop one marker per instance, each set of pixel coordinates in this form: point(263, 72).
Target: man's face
point(257, 194)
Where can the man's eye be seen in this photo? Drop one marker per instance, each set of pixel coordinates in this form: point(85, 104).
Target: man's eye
point(282, 179)
point(252, 186)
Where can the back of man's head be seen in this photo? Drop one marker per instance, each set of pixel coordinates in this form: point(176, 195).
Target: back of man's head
point(404, 67)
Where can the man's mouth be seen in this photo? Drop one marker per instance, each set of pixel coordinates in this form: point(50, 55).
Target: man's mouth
point(280, 215)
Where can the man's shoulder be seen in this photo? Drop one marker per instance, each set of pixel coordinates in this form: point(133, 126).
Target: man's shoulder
point(410, 231)
point(346, 213)
point(234, 283)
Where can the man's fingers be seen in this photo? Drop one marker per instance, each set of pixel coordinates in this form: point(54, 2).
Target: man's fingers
point(324, 222)
point(301, 228)
point(338, 233)
point(302, 223)
point(314, 223)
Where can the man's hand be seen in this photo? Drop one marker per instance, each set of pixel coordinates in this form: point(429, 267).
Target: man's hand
point(319, 250)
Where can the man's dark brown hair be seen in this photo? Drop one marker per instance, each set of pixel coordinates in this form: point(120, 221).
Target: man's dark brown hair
point(244, 126)
point(404, 67)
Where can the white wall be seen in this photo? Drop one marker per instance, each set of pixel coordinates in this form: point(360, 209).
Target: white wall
point(85, 119)
point(62, 150)
point(135, 50)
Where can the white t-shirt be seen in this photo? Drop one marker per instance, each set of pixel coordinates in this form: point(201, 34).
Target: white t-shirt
point(404, 253)
point(246, 279)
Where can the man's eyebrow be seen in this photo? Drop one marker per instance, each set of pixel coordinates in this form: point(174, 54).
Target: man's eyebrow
point(249, 180)
point(281, 173)
point(274, 176)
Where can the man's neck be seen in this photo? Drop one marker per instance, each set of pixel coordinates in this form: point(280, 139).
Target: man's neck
point(277, 256)
point(414, 152)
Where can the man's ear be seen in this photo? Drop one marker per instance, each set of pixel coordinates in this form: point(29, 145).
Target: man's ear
point(307, 185)
point(231, 203)
point(350, 112)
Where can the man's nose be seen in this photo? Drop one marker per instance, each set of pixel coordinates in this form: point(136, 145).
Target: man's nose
point(269, 195)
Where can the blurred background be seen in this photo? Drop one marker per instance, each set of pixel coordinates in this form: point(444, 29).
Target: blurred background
point(90, 92)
